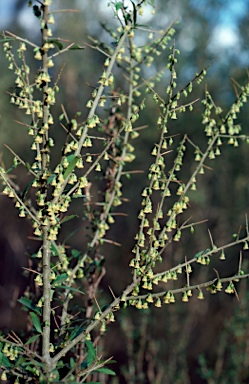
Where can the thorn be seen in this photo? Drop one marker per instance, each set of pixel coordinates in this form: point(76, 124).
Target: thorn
point(112, 292)
point(217, 274)
point(236, 294)
point(240, 261)
point(97, 303)
point(187, 271)
point(211, 239)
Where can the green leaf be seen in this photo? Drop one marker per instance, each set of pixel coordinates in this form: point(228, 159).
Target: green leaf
point(71, 234)
point(134, 13)
point(71, 382)
point(91, 353)
point(56, 42)
point(74, 47)
point(28, 366)
point(11, 168)
point(36, 11)
point(94, 382)
point(36, 322)
point(75, 253)
point(107, 371)
point(6, 39)
point(61, 278)
point(4, 361)
point(76, 332)
point(54, 250)
point(70, 288)
point(72, 362)
point(27, 165)
point(119, 5)
point(28, 303)
point(78, 196)
point(71, 165)
point(70, 158)
point(32, 339)
point(142, 25)
point(67, 218)
point(51, 178)
point(26, 189)
point(21, 360)
point(111, 362)
point(202, 253)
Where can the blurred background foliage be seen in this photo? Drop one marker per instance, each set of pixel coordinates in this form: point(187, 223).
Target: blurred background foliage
point(198, 342)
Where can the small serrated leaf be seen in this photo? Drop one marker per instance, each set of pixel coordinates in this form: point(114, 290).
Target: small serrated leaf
point(27, 165)
point(51, 178)
point(29, 304)
point(36, 322)
point(70, 289)
point(71, 362)
point(61, 278)
point(21, 360)
point(32, 339)
point(56, 42)
point(106, 371)
point(75, 253)
point(26, 189)
point(78, 196)
point(6, 39)
point(201, 253)
point(71, 166)
point(118, 5)
point(76, 331)
point(67, 218)
point(74, 47)
point(54, 250)
point(134, 13)
point(4, 361)
point(91, 353)
point(94, 382)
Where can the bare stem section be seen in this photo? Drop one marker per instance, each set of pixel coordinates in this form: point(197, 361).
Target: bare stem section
point(44, 150)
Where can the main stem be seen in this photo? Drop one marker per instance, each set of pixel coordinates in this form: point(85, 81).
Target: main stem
point(45, 229)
